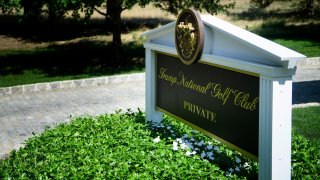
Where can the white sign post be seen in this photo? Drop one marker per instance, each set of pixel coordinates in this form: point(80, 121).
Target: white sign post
point(231, 47)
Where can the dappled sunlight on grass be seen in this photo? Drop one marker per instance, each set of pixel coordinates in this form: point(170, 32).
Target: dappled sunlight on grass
point(280, 22)
point(79, 58)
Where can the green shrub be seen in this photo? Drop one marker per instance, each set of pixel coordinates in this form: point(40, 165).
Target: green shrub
point(123, 146)
point(305, 159)
point(112, 146)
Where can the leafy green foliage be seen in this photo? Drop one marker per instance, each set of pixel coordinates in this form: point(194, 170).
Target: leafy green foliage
point(109, 146)
point(56, 9)
point(305, 143)
point(305, 159)
point(195, 143)
point(123, 146)
point(9, 6)
point(212, 7)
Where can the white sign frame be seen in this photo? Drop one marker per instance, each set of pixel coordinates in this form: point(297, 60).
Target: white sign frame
point(229, 46)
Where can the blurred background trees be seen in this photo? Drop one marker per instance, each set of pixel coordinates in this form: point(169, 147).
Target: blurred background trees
point(47, 40)
point(309, 8)
point(30, 11)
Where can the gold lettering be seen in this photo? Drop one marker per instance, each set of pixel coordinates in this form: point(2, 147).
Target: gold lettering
point(190, 84)
point(217, 91)
point(200, 111)
point(237, 99)
point(166, 77)
point(221, 95)
point(253, 105)
point(182, 78)
point(185, 104)
point(242, 100)
point(213, 117)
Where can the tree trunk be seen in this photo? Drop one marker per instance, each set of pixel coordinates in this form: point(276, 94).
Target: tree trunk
point(309, 7)
point(114, 10)
point(52, 16)
point(116, 36)
point(32, 11)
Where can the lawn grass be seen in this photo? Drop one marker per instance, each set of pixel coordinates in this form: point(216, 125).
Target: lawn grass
point(306, 122)
point(308, 48)
point(280, 22)
point(123, 146)
point(301, 38)
point(72, 60)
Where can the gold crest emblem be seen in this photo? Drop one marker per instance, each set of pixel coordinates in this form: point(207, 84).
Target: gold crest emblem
point(186, 39)
point(189, 36)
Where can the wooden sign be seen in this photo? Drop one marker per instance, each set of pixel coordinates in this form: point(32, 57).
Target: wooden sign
point(229, 83)
point(220, 102)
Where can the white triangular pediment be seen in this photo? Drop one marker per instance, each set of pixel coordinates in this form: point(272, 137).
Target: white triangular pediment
point(226, 41)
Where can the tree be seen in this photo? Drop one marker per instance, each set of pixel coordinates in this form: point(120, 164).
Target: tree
point(309, 7)
point(114, 8)
point(9, 6)
point(31, 10)
point(114, 11)
point(56, 9)
point(306, 7)
point(261, 3)
point(210, 6)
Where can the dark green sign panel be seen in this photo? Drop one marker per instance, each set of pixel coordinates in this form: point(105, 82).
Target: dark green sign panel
point(222, 103)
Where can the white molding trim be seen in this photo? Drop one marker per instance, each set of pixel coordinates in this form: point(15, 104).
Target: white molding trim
point(152, 115)
point(161, 48)
point(159, 32)
point(275, 128)
point(278, 54)
point(264, 70)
